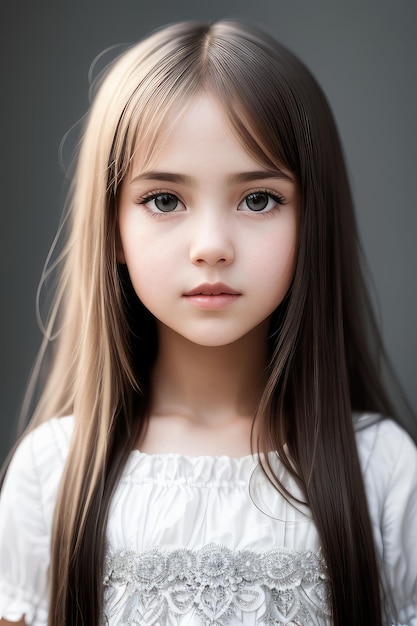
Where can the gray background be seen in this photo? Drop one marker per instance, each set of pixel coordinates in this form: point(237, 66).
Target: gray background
point(362, 53)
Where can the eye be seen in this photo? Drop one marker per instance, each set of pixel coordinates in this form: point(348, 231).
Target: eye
point(161, 202)
point(258, 201)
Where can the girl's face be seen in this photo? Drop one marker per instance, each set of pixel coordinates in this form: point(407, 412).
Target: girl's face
point(208, 234)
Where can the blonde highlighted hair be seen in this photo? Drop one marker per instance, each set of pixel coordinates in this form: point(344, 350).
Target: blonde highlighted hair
point(320, 365)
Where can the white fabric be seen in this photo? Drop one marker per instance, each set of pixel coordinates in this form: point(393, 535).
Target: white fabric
point(169, 502)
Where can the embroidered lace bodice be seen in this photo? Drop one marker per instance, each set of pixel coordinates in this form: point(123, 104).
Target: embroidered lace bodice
point(216, 586)
point(205, 541)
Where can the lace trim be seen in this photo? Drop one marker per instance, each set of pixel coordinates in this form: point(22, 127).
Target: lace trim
point(158, 587)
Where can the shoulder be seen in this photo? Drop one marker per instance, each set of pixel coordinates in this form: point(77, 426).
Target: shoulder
point(382, 443)
point(386, 453)
point(43, 447)
point(33, 476)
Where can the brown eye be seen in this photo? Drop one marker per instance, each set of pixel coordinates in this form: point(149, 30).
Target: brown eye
point(257, 201)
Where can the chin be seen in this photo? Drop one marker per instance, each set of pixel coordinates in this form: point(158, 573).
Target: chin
point(213, 340)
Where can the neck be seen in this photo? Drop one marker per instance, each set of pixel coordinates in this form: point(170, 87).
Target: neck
point(204, 398)
point(209, 384)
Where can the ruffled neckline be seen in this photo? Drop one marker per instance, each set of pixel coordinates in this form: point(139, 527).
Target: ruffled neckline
point(177, 467)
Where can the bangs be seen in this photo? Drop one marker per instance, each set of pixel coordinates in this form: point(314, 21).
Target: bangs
point(227, 63)
point(145, 121)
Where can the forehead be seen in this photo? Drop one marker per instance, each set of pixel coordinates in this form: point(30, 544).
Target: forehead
point(198, 134)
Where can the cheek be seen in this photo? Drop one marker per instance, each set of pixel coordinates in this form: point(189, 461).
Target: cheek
point(275, 261)
point(150, 266)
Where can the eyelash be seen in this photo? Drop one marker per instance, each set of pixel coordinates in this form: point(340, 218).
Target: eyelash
point(152, 196)
point(278, 198)
point(157, 214)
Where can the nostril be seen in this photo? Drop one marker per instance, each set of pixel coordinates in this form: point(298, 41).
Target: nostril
point(220, 260)
point(212, 253)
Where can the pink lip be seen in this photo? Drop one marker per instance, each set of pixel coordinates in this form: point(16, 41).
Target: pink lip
point(217, 289)
point(212, 297)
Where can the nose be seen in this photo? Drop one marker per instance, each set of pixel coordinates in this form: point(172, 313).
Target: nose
point(211, 241)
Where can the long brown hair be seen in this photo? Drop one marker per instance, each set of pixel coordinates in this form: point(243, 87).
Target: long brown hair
point(322, 365)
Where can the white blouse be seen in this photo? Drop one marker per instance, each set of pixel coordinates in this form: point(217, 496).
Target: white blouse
point(205, 541)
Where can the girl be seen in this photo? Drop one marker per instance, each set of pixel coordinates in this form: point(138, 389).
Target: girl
point(210, 447)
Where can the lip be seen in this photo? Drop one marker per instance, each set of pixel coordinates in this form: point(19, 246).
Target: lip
point(216, 289)
point(212, 297)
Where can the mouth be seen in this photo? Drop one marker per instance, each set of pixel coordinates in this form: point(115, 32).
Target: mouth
point(217, 289)
point(212, 297)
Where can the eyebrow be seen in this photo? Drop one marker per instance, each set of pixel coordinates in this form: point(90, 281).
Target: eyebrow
point(242, 177)
point(245, 177)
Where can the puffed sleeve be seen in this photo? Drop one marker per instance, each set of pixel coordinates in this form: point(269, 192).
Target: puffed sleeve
point(391, 480)
point(27, 503)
